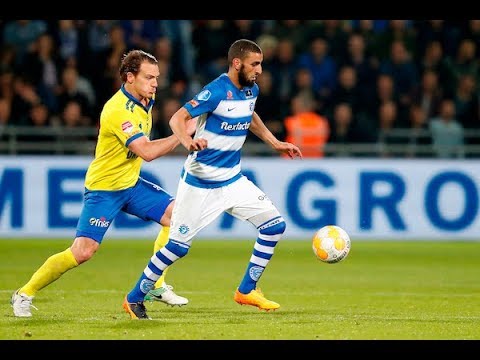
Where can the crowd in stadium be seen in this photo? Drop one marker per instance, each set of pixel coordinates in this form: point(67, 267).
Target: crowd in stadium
point(338, 81)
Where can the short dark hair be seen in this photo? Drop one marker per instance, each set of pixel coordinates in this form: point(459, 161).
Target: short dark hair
point(241, 48)
point(132, 60)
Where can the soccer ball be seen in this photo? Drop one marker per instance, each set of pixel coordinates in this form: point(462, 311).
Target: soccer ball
point(331, 244)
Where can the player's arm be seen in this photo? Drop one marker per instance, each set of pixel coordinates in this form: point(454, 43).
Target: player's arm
point(258, 128)
point(179, 125)
point(149, 150)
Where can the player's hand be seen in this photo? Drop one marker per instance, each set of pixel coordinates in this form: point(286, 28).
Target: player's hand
point(289, 149)
point(197, 144)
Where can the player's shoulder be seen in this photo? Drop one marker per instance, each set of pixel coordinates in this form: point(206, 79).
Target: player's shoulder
point(218, 88)
point(117, 104)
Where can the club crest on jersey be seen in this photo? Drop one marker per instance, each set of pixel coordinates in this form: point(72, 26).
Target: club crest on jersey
point(146, 285)
point(229, 95)
point(204, 95)
point(127, 127)
point(183, 229)
point(248, 93)
point(255, 272)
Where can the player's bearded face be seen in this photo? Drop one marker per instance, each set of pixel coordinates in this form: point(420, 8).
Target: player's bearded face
point(243, 78)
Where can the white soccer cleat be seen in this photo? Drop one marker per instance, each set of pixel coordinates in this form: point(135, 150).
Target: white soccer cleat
point(166, 295)
point(21, 304)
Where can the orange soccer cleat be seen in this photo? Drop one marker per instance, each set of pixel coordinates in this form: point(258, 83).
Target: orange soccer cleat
point(255, 298)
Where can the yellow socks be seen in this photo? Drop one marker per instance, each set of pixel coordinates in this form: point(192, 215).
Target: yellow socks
point(160, 241)
point(50, 271)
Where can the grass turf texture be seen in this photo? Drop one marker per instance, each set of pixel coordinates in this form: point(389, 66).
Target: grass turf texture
point(382, 290)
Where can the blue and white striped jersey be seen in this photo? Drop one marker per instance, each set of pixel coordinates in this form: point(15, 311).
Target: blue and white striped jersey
point(225, 114)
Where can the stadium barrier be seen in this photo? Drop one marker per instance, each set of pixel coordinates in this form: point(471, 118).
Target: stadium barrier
point(59, 140)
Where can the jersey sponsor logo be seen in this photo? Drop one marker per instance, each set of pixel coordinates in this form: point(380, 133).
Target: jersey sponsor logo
point(252, 106)
point(204, 95)
point(255, 272)
point(193, 102)
point(102, 222)
point(231, 127)
point(127, 127)
point(131, 155)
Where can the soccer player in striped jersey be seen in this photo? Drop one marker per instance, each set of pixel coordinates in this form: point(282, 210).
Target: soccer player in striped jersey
point(212, 182)
point(113, 182)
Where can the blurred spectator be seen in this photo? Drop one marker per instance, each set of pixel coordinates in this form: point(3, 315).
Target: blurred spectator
point(283, 69)
point(39, 117)
point(140, 34)
point(402, 69)
point(305, 128)
point(321, 65)
point(5, 118)
point(42, 66)
point(466, 102)
point(163, 51)
point(346, 90)
point(471, 31)
point(21, 34)
point(268, 105)
point(180, 34)
point(433, 60)
point(268, 44)
point(303, 84)
point(107, 80)
point(418, 138)
point(212, 40)
point(7, 58)
point(447, 132)
point(245, 29)
point(345, 129)
point(6, 84)
point(24, 98)
point(71, 88)
point(366, 28)
point(387, 122)
point(5, 112)
point(397, 31)
point(334, 34)
point(428, 93)
point(384, 92)
point(463, 63)
point(98, 39)
point(429, 31)
point(295, 30)
point(365, 65)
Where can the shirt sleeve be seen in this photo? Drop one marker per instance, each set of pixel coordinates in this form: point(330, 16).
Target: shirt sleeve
point(205, 101)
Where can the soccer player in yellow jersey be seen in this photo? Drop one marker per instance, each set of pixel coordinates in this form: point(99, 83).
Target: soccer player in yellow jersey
point(113, 182)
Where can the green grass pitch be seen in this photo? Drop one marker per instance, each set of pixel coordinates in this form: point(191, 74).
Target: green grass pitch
point(418, 290)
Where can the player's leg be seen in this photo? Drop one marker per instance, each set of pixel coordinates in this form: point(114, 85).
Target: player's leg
point(150, 202)
point(161, 241)
point(162, 291)
point(254, 206)
point(189, 207)
point(89, 235)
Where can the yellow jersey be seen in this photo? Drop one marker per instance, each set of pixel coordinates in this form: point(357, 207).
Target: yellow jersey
point(122, 120)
